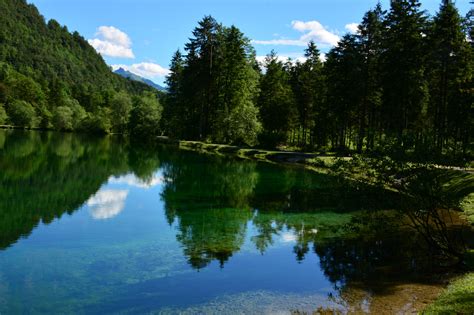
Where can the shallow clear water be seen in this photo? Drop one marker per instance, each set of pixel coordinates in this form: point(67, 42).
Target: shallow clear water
point(96, 225)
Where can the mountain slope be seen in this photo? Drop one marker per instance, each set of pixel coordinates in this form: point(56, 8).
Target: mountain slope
point(134, 77)
point(47, 51)
point(51, 78)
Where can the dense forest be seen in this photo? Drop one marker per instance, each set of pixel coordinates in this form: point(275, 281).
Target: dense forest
point(403, 81)
point(50, 78)
point(402, 84)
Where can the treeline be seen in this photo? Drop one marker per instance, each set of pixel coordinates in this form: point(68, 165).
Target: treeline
point(50, 78)
point(402, 83)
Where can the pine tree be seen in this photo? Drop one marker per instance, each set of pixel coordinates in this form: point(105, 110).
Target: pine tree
point(200, 84)
point(174, 113)
point(370, 41)
point(237, 115)
point(309, 89)
point(276, 101)
point(404, 84)
point(344, 81)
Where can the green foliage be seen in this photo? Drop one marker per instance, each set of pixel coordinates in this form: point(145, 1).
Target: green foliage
point(309, 87)
point(3, 115)
point(458, 298)
point(276, 100)
point(401, 86)
point(63, 118)
point(212, 91)
point(121, 105)
point(145, 117)
point(22, 114)
point(98, 121)
point(78, 113)
point(59, 74)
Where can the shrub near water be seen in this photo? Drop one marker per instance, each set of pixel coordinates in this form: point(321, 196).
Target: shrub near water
point(22, 114)
point(62, 118)
point(3, 115)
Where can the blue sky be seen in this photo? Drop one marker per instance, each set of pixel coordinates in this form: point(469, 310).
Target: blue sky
point(141, 35)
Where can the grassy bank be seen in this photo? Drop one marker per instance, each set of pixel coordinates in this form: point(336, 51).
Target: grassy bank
point(458, 298)
point(315, 161)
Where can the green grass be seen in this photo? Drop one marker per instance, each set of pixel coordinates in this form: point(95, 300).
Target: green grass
point(458, 298)
point(468, 207)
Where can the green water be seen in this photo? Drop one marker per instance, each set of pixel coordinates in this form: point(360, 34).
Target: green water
point(96, 225)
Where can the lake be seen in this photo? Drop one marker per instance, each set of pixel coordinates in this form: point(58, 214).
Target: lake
point(97, 225)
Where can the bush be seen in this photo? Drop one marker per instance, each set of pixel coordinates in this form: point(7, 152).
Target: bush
point(121, 105)
point(22, 114)
point(63, 118)
point(145, 117)
point(79, 114)
point(98, 122)
point(3, 115)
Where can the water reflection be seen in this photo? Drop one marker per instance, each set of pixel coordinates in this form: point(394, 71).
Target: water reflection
point(106, 204)
point(219, 211)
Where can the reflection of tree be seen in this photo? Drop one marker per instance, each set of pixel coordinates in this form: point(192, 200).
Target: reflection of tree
point(307, 203)
point(210, 200)
point(214, 234)
point(296, 190)
point(47, 174)
point(143, 162)
point(429, 199)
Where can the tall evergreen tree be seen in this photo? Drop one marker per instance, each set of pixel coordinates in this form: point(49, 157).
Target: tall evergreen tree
point(404, 83)
point(174, 111)
point(450, 63)
point(309, 89)
point(370, 40)
point(200, 84)
point(276, 101)
point(344, 81)
point(237, 118)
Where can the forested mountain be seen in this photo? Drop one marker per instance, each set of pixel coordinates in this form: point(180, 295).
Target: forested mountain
point(52, 78)
point(135, 77)
point(401, 85)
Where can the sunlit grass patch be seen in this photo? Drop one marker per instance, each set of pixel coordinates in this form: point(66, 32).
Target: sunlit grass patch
point(458, 298)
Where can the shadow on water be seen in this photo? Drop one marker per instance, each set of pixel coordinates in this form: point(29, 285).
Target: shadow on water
point(215, 205)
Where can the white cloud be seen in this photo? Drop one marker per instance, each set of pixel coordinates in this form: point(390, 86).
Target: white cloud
point(315, 31)
point(145, 69)
point(312, 30)
point(132, 180)
point(112, 42)
point(352, 28)
point(114, 35)
point(107, 204)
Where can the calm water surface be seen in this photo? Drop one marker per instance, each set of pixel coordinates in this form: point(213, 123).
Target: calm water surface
point(96, 225)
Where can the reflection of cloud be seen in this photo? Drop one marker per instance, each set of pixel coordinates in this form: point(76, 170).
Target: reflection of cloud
point(288, 237)
point(106, 204)
point(132, 180)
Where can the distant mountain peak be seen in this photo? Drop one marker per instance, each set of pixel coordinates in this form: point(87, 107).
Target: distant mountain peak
point(135, 77)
